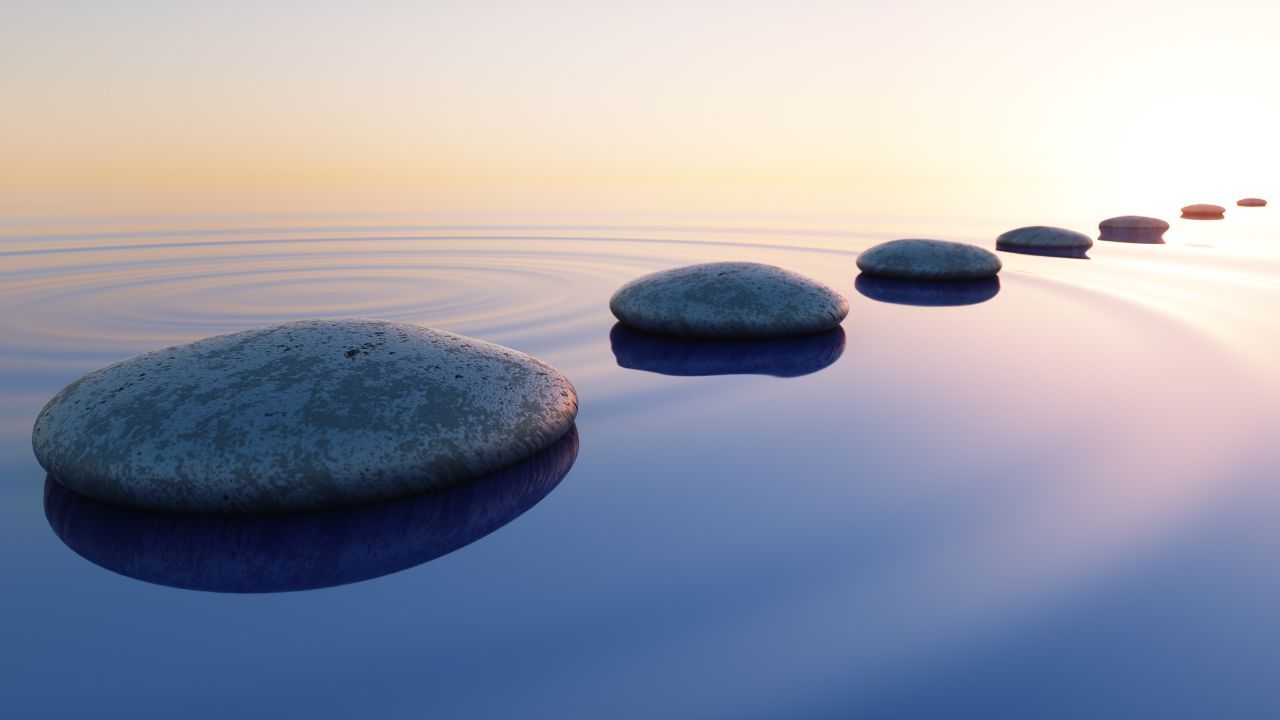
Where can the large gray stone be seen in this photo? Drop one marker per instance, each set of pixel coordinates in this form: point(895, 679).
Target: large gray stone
point(914, 259)
point(729, 300)
point(1041, 237)
point(1133, 228)
point(1251, 202)
point(300, 416)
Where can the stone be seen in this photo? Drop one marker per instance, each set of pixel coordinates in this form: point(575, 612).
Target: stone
point(915, 259)
point(1251, 202)
point(307, 550)
point(1133, 228)
point(1203, 211)
point(728, 300)
point(691, 357)
point(300, 416)
point(1044, 240)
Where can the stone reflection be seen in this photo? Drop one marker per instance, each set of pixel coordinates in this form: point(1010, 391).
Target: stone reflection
point(258, 554)
point(779, 357)
point(927, 293)
point(1074, 253)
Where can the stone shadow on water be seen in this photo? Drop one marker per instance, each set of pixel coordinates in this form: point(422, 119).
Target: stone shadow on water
point(927, 293)
point(302, 551)
point(779, 357)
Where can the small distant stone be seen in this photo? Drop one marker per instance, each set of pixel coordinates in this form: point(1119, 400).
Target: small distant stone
point(1203, 211)
point(300, 416)
point(1134, 229)
point(1041, 238)
point(728, 300)
point(914, 259)
point(1252, 202)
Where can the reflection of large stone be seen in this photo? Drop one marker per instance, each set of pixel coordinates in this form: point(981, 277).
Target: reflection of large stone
point(273, 553)
point(927, 293)
point(780, 357)
point(300, 416)
point(1133, 229)
point(728, 300)
point(915, 259)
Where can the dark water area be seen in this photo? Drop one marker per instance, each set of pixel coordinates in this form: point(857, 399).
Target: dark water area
point(1055, 500)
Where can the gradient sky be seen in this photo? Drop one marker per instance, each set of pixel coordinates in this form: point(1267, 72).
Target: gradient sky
point(156, 100)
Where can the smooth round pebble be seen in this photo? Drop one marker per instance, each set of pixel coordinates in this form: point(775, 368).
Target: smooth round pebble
point(1133, 222)
point(1042, 237)
point(728, 300)
point(914, 259)
point(1203, 210)
point(300, 416)
point(1133, 228)
point(1251, 202)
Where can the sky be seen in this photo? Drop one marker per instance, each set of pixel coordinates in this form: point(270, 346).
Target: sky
point(148, 106)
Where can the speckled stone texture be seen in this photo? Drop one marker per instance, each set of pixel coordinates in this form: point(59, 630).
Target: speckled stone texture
point(1204, 211)
point(1133, 228)
point(728, 300)
point(915, 259)
point(301, 416)
point(1251, 202)
point(1042, 237)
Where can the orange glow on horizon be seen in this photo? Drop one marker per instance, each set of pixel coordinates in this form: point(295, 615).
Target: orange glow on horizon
point(470, 104)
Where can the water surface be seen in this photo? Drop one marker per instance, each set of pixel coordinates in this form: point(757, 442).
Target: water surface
point(1054, 498)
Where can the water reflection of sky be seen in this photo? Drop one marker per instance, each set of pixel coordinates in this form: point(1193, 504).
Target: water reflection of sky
point(1051, 503)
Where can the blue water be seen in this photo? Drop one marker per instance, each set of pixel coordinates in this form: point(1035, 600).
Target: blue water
point(1052, 498)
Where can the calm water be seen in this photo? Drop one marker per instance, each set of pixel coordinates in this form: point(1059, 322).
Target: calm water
point(1056, 500)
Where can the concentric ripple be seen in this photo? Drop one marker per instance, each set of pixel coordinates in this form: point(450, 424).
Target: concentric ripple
point(934, 473)
point(123, 294)
point(91, 298)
